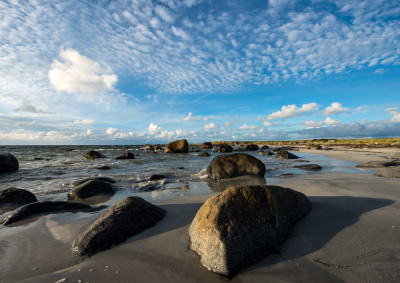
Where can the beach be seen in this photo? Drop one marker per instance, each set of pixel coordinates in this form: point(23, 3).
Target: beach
point(352, 234)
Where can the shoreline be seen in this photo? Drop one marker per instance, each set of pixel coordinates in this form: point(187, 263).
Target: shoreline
point(350, 235)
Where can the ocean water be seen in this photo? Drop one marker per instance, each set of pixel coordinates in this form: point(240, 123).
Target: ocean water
point(48, 171)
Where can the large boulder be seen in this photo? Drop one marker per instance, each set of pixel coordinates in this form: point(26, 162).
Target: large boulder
point(42, 207)
point(91, 188)
point(284, 154)
point(128, 155)
point(252, 147)
point(8, 163)
point(16, 196)
point(234, 165)
point(180, 146)
point(94, 154)
point(224, 147)
point(244, 224)
point(389, 172)
point(129, 217)
point(207, 145)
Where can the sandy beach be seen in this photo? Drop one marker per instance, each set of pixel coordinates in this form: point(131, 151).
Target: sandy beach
point(352, 234)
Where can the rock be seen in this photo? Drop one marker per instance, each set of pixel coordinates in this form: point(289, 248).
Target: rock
point(105, 167)
point(157, 147)
point(156, 177)
point(244, 224)
point(100, 178)
point(221, 185)
point(128, 155)
point(265, 147)
point(8, 163)
point(284, 154)
point(389, 172)
point(148, 147)
point(42, 207)
point(16, 196)
point(93, 154)
point(129, 217)
point(180, 146)
point(309, 167)
point(265, 153)
point(204, 154)
point(240, 149)
point(373, 164)
point(315, 147)
point(91, 188)
point(207, 145)
point(224, 147)
point(234, 165)
point(252, 147)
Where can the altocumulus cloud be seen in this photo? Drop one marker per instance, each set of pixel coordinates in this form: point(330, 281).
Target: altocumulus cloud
point(77, 73)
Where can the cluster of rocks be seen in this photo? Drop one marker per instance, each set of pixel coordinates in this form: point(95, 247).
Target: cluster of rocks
point(387, 169)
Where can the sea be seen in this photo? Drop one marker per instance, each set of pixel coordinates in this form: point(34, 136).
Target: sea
point(49, 171)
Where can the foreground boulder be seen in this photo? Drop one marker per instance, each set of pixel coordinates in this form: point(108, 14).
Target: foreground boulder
point(8, 163)
point(16, 196)
point(94, 154)
point(234, 165)
point(90, 189)
point(224, 147)
point(284, 154)
point(129, 217)
point(180, 146)
point(42, 207)
point(244, 224)
point(389, 172)
point(309, 167)
point(128, 155)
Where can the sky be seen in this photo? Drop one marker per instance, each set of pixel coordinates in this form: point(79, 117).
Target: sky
point(141, 71)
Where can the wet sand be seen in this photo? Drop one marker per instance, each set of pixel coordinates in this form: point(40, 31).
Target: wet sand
point(352, 234)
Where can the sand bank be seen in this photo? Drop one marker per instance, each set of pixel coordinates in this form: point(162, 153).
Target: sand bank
point(352, 235)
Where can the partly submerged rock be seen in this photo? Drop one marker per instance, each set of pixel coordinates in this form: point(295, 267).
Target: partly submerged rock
point(42, 207)
point(244, 224)
point(207, 145)
point(93, 154)
point(204, 154)
point(99, 178)
point(389, 172)
point(156, 177)
point(252, 147)
point(180, 146)
point(129, 217)
point(309, 167)
point(128, 155)
point(373, 164)
point(224, 147)
point(16, 196)
point(284, 154)
point(91, 188)
point(8, 163)
point(234, 165)
point(265, 153)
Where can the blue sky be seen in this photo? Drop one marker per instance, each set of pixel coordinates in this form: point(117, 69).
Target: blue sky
point(141, 71)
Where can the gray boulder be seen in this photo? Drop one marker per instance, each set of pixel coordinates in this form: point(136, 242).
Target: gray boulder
point(93, 154)
point(128, 155)
point(16, 196)
point(244, 224)
point(129, 217)
point(180, 146)
point(42, 207)
point(373, 164)
point(8, 163)
point(252, 147)
point(309, 167)
point(100, 178)
point(284, 154)
point(234, 165)
point(90, 189)
point(389, 172)
point(224, 147)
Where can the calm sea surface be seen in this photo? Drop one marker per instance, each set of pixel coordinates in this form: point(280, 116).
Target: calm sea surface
point(48, 171)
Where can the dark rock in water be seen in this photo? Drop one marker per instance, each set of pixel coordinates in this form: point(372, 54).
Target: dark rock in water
point(204, 154)
point(252, 147)
point(16, 196)
point(207, 145)
point(128, 155)
point(157, 147)
point(395, 162)
point(104, 167)
point(148, 147)
point(180, 146)
point(234, 165)
point(265, 153)
point(284, 154)
point(100, 178)
point(265, 147)
point(124, 220)
point(301, 160)
point(42, 207)
point(180, 168)
point(8, 163)
point(389, 172)
point(157, 177)
point(309, 167)
point(93, 154)
point(286, 175)
point(224, 147)
point(244, 224)
point(373, 164)
point(91, 188)
point(240, 149)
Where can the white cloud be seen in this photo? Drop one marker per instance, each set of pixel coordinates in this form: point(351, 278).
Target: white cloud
point(189, 117)
point(179, 32)
point(292, 111)
point(245, 127)
point(111, 131)
point(209, 127)
point(395, 113)
point(334, 108)
point(164, 13)
point(84, 122)
point(270, 124)
point(153, 129)
point(379, 71)
point(327, 121)
point(78, 73)
point(27, 106)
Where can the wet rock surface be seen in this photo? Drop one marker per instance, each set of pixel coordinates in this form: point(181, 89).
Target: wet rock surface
point(180, 146)
point(309, 167)
point(16, 196)
point(93, 154)
point(8, 163)
point(284, 154)
point(91, 188)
